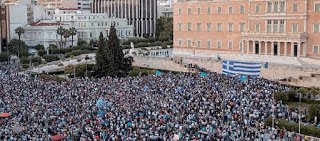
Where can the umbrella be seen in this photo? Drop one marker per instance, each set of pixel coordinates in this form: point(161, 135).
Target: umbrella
point(243, 79)
point(57, 137)
point(100, 112)
point(158, 72)
point(203, 74)
point(4, 115)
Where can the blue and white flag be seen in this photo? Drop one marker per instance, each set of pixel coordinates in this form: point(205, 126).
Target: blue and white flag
point(100, 103)
point(241, 68)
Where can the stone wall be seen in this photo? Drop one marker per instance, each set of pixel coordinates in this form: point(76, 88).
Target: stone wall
point(297, 75)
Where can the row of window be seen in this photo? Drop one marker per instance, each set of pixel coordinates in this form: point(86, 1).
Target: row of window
point(272, 7)
point(97, 24)
point(198, 44)
point(209, 27)
point(230, 45)
point(219, 10)
point(272, 26)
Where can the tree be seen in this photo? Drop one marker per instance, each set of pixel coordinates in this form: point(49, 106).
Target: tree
point(314, 92)
point(60, 31)
point(19, 31)
point(73, 32)
point(14, 48)
point(68, 69)
point(110, 57)
point(303, 91)
point(164, 27)
point(314, 111)
point(66, 35)
point(164, 45)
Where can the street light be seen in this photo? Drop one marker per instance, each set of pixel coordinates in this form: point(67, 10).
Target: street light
point(299, 112)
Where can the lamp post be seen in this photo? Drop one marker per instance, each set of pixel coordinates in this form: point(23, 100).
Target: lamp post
point(299, 113)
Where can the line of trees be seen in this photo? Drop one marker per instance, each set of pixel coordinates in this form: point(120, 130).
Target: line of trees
point(66, 33)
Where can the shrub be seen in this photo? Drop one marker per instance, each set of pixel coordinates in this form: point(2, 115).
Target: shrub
point(126, 47)
point(164, 38)
point(51, 46)
point(140, 52)
point(25, 66)
point(39, 47)
point(60, 64)
point(148, 53)
point(81, 42)
point(79, 60)
point(281, 96)
point(36, 59)
point(314, 111)
point(50, 58)
point(142, 44)
point(42, 52)
point(294, 127)
point(164, 45)
point(44, 62)
point(136, 68)
point(63, 59)
point(144, 73)
point(24, 60)
point(36, 64)
point(134, 53)
point(134, 73)
point(71, 56)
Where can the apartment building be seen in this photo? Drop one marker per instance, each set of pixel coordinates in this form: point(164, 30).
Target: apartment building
point(261, 27)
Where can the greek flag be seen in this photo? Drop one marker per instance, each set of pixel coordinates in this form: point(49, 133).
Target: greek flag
point(241, 68)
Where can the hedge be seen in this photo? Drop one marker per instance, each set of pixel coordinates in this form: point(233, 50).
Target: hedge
point(50, 58)
point(294, 127)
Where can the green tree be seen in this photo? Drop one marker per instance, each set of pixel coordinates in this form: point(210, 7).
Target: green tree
point(314, 92)
point(164, 45)
point(314, 111)
point(3, 57)
point(14, 48)
point(73, 32)
point(164, 27)
point(303, 91)
point(25, 66)
point(65, 36)
point(109, 57)
point(68, 69)
point(19, 31)
point(60, 31)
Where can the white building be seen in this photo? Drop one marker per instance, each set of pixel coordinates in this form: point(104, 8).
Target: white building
point(16, 17)
point(90, 25)
point(45, 33)
point(84, 5)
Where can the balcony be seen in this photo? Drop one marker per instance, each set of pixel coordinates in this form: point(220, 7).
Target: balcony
point(297, 37)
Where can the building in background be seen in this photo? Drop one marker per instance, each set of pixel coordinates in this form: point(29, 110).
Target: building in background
point(84, 5)
point(277, 28)
point(165, 8)
point(140, 13)
point(60, 3)
point(16, 16)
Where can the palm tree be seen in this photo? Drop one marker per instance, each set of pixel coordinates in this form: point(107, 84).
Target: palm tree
point(19, 31)
point(73, 31)
point(60, 31)
point(66, 35)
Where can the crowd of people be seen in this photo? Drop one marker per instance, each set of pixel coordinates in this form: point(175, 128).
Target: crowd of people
point(155, 107)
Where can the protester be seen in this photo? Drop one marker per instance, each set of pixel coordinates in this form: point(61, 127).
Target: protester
point(153, 107)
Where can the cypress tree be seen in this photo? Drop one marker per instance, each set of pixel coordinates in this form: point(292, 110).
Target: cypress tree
point(101, 65)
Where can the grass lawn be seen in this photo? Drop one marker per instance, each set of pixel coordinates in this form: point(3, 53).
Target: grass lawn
point(296, 104)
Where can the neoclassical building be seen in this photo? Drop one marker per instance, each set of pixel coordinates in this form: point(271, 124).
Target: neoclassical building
point(262, 27)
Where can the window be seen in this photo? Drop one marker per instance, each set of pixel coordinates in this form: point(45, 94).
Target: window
point(269, 7)
point(230, 45)
point(189, 10)
point(219, 10)
point(230, 10)
point(294, 27)
point(316, 49)
point(276, 7)
point(208, 26)
point(189, 43)
point(281, 26)
point(209, 10)
point(241, 9)
point(316, 28)
point(189, 26)
point(208, 44)
point(180, 43)
point(257, 27)
point(179, 11)
point(198, 26)
point(282, 6)
point(269, 23)
point(219, 26)
point(180, 26)
point(295, 8)
point(275, 25)
point(198, 44)
point(240, 45)
point(317, 7)
point(257, 8)
point(230, 27)
point(199, 10)
point(219, 44)
point(241, 27)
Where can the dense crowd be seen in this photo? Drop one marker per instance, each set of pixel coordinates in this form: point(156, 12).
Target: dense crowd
point(153, 107)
